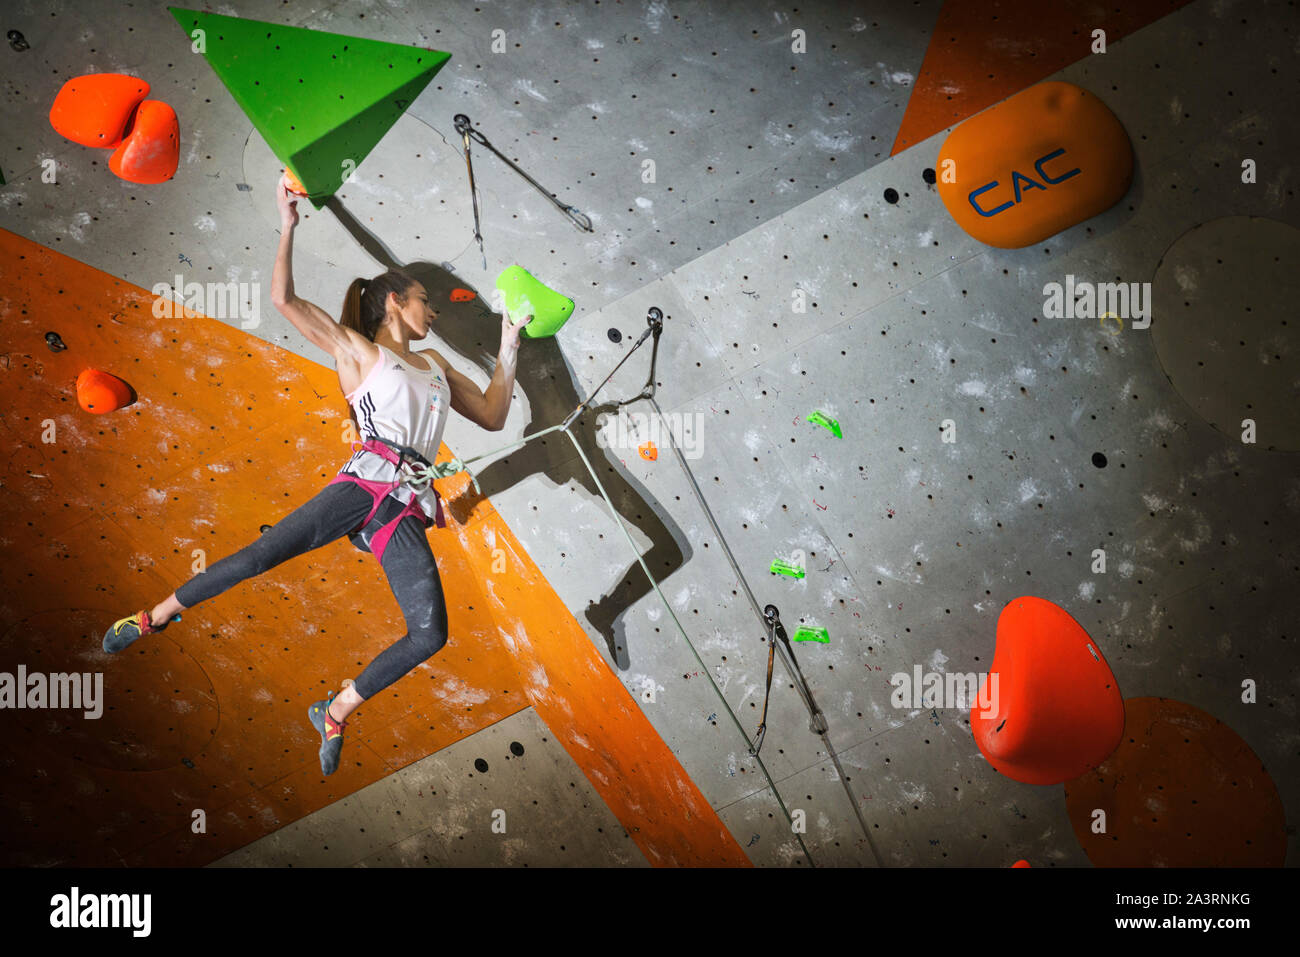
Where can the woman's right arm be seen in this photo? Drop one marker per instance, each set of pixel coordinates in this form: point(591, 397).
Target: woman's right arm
point(308, 318)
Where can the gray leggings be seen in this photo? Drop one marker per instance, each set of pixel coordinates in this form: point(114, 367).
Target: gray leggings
point(408, 562)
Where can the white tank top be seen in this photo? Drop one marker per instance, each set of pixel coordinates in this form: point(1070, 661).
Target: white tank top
point(405, 405)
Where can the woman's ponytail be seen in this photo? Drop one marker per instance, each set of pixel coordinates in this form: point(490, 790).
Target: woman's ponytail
point(364, 302)
point(351, 316)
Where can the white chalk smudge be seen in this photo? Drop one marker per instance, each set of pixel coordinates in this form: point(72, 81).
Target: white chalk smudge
point(531, 90)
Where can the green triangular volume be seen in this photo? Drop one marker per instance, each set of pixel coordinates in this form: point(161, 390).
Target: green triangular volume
point(318, 99)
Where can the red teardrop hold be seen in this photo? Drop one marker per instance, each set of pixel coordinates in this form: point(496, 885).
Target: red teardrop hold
point(94, 109)
point(101, 392)
point(151, 152)
point(1056, 710)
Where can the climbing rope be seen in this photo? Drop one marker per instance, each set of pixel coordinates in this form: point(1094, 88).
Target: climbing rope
point(418, 476)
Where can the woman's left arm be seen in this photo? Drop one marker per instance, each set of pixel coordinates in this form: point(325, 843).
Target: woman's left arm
point(487, 408)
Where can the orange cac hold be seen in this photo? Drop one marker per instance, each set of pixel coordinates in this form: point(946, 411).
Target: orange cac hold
point(293, 184)
point(1040, 162)
point(101, 392)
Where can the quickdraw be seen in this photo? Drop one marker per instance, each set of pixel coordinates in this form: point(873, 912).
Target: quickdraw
point(467, 131)
point(775, 630)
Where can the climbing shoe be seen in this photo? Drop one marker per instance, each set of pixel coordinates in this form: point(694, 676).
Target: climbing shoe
point(127, 630)
point(331, 734)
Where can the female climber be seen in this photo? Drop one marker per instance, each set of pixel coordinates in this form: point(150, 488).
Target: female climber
point(399, 398)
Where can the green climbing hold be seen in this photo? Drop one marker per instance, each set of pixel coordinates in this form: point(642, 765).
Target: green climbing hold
point(826, 422)
point(813, 634)
point(785, 568)
point(320, 100)
point(524, 294)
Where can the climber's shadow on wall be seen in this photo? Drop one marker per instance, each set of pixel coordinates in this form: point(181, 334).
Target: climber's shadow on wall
point(473, 331)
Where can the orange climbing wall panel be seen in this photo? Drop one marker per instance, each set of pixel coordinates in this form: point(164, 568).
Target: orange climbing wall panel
point(230, 433)
point(982, 51)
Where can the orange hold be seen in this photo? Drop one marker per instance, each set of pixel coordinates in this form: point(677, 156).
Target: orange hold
point(293, 184)
point(151, 152)
point(101, 392)
point(1050, 708)
point(463, 295)
point(649, 452)
point(1044, 160)
point(95, 109)
point(1021, 863)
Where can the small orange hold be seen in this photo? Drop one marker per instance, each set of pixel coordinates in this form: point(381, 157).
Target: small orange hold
point(151, 152)
point(94, 109)
point(649, 452)
point(293, 184)
point(463, 295)
point(1021, 863)
point(101, 392)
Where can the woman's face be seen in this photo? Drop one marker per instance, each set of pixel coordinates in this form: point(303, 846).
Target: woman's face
point(417, 314)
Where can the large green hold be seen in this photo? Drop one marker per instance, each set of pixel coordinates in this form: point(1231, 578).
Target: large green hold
point(320, 100)
point(525, 294)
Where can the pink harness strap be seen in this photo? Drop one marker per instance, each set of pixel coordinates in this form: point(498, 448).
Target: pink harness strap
point(379, 491)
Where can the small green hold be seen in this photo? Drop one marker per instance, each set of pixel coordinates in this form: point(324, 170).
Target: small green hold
point(826, 422)
point(785, 568)
point(813, 634)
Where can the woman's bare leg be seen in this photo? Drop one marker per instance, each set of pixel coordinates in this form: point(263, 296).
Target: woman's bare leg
point(163, 612)
point(344, 703)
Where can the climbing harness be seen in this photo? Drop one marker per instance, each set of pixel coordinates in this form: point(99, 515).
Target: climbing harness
point(379, 493)
point(468, 132)
point(421, 470)
point(770, 616)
